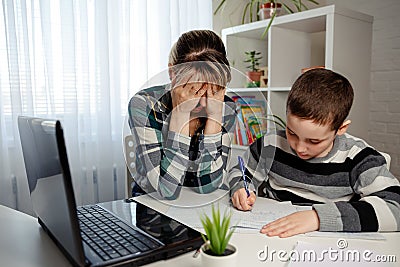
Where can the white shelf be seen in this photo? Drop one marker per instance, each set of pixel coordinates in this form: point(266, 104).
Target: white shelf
point(279, 89)
point(337, 38)
point(257, 89)
point(306, 21)
point(247, 90)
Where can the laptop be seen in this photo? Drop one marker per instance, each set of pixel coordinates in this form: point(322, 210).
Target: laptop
point(107, 234)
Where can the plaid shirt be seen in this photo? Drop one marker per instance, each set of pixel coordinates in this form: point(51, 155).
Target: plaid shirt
point(166, 160)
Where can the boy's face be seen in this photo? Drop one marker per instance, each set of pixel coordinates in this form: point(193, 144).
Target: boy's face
point(309, 139)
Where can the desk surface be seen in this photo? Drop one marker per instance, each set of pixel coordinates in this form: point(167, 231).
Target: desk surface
point(24, 243)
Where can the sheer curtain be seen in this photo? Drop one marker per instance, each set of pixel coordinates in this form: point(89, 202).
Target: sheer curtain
point(80, 62)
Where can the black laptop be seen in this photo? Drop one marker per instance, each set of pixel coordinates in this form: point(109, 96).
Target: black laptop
point(106, 234)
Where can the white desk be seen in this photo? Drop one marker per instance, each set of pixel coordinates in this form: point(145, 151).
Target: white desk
point(24, 243)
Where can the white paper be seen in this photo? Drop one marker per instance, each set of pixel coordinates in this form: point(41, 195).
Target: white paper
point(263, 212)
point(188, 198)
point(190, 206)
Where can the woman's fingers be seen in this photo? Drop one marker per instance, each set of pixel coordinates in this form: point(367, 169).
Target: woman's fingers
point(216, 92)
point(195, 88)
point(201, 91)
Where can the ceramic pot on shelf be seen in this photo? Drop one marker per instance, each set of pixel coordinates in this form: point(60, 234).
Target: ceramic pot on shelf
point(253, 78)
point(267, 10)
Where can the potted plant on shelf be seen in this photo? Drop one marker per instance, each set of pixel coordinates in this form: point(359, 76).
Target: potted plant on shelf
point(270, 9)
point(251, 8)
point(216, 251)
point(254, 73)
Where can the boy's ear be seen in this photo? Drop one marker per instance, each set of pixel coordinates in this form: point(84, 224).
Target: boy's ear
point(343, 128)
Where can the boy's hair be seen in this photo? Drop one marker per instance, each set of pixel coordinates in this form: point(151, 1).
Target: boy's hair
point(321, 95)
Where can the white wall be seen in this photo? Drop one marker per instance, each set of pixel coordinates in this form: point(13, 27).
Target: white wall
point(384, 110)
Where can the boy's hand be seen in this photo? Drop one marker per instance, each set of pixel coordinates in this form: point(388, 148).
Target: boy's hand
point(296, 223)
point(241, 201)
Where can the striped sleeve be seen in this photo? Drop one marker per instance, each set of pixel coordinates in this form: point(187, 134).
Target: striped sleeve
point(256, 165)
point(376, 204)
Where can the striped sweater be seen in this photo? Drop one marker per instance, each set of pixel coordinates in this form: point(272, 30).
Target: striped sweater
point(351, 188)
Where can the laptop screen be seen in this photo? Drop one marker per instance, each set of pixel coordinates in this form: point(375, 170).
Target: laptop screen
point(54, 207)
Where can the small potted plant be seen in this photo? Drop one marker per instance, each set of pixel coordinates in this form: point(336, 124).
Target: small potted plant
point(253, 10)
point(269, 10)
point(254, 74)
point(216, 251)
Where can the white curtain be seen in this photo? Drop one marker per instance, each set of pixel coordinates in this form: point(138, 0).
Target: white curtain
point(80, 61)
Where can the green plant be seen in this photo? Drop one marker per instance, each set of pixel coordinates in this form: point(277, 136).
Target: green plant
point(253, 58)
point(251, 8)
point(277, 120)
point(217, 230)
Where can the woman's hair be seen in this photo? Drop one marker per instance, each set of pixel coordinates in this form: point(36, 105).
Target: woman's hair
point(321, 95)
point(200, 54)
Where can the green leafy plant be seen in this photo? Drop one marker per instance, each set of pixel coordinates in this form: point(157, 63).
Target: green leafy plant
point(217, 230)
point(277, 120)
point(251, 8)
point(299, 4)
point(254, 59)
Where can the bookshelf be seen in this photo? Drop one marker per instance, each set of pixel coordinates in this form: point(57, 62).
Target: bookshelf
point(337, 38)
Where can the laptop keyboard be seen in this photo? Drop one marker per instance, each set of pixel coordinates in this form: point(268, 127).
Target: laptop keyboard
point(109, 236)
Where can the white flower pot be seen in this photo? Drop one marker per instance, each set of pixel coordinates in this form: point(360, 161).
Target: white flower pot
point(218, 261)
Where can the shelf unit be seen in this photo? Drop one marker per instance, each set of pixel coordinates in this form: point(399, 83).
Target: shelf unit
point(337, 38)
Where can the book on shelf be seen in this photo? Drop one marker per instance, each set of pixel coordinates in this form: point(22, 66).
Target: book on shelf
point(251, 123)
point(240, 132)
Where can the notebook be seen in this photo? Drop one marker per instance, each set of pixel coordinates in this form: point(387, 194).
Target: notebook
point(112, 233)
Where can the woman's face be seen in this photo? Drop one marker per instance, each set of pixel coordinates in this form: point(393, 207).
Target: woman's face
point(196, 87)
point(202, 104)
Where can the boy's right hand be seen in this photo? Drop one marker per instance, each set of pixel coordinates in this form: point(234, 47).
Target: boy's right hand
point(241, 201)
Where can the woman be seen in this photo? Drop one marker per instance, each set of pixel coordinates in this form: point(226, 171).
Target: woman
point(183, 130)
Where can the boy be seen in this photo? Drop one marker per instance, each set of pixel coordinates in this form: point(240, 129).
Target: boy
point(314, 161)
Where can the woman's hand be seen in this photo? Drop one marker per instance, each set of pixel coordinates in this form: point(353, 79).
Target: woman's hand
point(214, 108)
point(187, 96)
point(215, 100)
point(296, 223)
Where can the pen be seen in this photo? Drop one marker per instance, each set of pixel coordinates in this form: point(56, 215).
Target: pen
point(241, 166)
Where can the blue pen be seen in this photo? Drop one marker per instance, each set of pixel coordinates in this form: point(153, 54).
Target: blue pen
point(241, 165)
